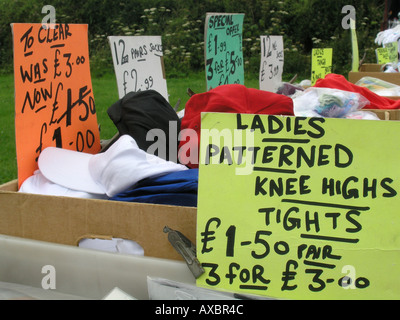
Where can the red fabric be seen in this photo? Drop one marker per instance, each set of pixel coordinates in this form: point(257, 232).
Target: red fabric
point(336, 81)
point(232, 98)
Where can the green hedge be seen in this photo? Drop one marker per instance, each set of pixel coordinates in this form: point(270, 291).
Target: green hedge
point(305, 24)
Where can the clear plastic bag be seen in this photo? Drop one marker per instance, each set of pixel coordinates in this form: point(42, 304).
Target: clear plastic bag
point(362, 115)
point(380, 87)
point(327, 102)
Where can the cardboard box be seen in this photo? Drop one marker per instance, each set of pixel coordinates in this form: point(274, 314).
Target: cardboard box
point(79, 273)
point(386, 114)
point(370, 67)
point(65, 220)
point(373, 70)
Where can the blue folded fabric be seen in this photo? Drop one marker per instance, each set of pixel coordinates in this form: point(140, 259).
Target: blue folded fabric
point(176, 188)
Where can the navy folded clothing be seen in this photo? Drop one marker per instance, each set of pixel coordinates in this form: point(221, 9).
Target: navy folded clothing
point(177, 188)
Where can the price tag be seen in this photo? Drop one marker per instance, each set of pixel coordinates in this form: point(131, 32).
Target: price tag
point(299, 208)
point(321, 64)
point(382, 55)
point(138, 64)
point(271, 63)
point(54, 102)
point(393, 51)
point(223, 49)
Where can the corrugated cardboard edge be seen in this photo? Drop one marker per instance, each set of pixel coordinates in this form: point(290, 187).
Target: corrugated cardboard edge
point(9, 186)
point(389, 77)
point(65, 220)
point(386, 114)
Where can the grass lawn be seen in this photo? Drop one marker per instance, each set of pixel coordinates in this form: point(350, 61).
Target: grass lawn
point(8, 161)
point(105, 94)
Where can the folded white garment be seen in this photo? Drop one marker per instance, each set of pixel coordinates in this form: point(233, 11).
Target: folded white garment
point(39, 184)
point(116, 245)
point(110, 172)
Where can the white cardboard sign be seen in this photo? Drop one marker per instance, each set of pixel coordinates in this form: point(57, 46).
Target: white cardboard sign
point(271, 67)
point(138, 64)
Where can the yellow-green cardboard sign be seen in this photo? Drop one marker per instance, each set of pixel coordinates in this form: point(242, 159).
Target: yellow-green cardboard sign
point(321, 63)
point(299, 208)
point(388, 54)
point(382, 55)
point(393, 52)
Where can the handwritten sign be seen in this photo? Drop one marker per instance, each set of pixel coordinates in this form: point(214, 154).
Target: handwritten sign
point(223, 49)
point(271, 63)
point(382, 55)
point(393, 51)
point(314, 217)
point(321, 64)
point(387, 54)
point(54, 102)
point(138, 64)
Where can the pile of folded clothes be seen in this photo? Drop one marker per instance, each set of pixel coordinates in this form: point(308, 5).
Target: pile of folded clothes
point(147, 161)
point(141, 163)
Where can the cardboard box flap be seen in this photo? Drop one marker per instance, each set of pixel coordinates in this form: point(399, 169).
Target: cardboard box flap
point(371, 67)
point(386, 114)
point(374, 70)
point(66, 220)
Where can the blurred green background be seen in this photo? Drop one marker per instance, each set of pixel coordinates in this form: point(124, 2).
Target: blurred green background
point(304, 25)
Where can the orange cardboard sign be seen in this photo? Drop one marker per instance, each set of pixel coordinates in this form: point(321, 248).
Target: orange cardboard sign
point(54, 103)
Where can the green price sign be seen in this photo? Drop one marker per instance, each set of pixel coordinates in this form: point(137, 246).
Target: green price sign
point(223, 49)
